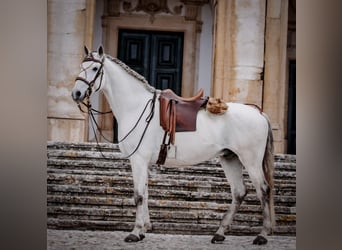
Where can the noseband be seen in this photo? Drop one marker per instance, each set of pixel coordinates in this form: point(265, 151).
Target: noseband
point(99, 73)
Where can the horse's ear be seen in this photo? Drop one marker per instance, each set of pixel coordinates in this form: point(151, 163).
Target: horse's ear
point(86, 51)
point(100, 51)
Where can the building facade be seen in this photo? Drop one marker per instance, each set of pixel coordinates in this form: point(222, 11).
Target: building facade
point(239, 50)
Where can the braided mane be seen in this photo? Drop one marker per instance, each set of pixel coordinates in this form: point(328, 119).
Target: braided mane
point(133, 73)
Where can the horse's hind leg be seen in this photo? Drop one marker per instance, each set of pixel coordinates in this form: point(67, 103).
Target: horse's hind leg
point(233, 169)
point(263, 192)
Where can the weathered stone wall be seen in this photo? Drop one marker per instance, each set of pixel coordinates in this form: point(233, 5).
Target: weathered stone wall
point(275, 82)
point(239, 50)
point(68, 22)
point(86, 191)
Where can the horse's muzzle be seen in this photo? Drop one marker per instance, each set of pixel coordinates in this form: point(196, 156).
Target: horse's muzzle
point(77, 95)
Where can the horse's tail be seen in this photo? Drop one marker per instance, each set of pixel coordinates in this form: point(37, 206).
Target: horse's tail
point(268, 169)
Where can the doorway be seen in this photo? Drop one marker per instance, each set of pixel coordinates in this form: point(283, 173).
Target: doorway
point(157, 55)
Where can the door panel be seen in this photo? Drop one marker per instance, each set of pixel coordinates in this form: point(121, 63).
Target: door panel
point(134, 50)
point(165, 80)
point(167, 56)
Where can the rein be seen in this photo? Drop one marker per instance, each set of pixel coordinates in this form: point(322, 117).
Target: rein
point(90, 111)
point(148, 119)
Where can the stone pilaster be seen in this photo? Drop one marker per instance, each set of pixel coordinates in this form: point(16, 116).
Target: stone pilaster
point(275, 87)
point(69, 31)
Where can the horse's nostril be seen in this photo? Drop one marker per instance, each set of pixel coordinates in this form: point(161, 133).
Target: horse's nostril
point(76, 95)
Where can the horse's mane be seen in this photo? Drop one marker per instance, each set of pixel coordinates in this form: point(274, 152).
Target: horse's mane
point(130, 71)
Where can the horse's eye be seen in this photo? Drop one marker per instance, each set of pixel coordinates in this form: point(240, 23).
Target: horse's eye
point(95, 69)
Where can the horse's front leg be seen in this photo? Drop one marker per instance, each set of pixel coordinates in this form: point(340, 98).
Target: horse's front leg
point(140, 181)
point(147, 221)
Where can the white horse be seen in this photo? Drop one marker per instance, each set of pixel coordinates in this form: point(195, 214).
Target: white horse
point(241, 137)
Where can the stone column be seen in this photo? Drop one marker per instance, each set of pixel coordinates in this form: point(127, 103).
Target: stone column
point(69, 29)
point(275, 87)
point(238, 58)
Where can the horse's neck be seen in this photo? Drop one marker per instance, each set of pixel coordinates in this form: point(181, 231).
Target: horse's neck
point(124, 92)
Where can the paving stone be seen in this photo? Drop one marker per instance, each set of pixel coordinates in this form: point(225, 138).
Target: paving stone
point(73, 239)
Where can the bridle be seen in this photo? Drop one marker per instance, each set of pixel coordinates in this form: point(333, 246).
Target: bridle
point(90, 58)
point(90, 110)
point(99, 73)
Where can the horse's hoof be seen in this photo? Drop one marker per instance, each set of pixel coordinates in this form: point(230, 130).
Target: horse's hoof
point(142, 236)
point(132, 238)
point(260, 240)
point(217, 238)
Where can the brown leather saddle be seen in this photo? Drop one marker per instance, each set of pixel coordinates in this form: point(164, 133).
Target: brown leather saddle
point(177, 114)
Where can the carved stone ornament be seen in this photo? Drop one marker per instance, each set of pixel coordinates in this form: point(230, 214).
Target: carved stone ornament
point(151, 7)
point(113, 7)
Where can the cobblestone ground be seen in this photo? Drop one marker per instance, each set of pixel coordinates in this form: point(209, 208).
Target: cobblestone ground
point(73, 239)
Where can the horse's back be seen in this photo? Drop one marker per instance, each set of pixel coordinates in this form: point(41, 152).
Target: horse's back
point(241, 128)
point(237, 121)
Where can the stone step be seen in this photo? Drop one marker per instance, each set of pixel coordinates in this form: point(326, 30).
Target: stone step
point(87, 191)
point(83, 146)
point(158, 215)
point(197, 216)
point(282, 170)
point(163, 227)
point(110, 147)
point(164, 182)
point(115, 202)
point(186, 182)
point(127, 192)
point(93, 150)
point(280, 176)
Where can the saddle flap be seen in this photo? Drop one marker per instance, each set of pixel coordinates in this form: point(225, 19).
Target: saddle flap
point(178, 114)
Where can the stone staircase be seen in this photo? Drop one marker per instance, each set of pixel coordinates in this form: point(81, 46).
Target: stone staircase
point(87, 191)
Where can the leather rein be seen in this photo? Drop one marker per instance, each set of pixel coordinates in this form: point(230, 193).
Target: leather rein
point(90, 111)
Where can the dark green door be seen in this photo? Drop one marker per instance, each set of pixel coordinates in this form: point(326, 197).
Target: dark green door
point(156, 55)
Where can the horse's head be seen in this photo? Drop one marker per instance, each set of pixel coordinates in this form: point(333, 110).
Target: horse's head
point(90, 77)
